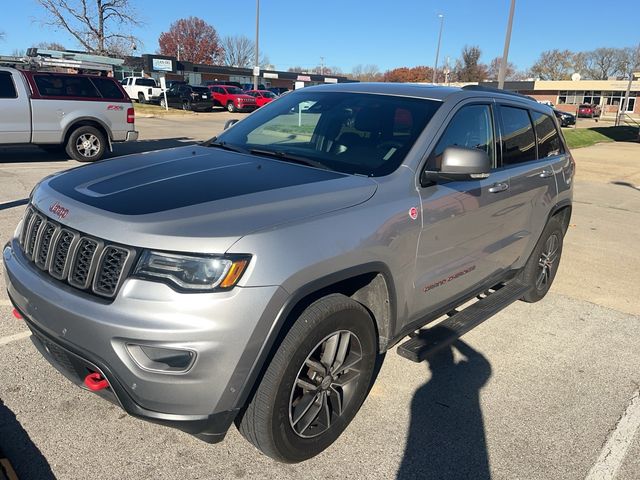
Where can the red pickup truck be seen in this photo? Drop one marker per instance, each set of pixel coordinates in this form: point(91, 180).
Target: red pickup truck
point(232, 98)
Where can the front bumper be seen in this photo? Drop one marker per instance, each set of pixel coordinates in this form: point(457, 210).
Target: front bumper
point(75, 329)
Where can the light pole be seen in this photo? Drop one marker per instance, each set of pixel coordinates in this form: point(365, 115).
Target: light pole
point(256, 68)
point(435, 67)
point(505, 55)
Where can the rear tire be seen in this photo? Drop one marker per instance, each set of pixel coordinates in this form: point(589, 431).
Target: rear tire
point(163, 104)
point(86, 144)
point(186, 106)
point(141, 98)
point(314, 386)
point(542, 266)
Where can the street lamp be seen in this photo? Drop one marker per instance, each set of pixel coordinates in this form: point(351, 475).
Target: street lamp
point(435, 67)
point(256, 68)
point(505, 55)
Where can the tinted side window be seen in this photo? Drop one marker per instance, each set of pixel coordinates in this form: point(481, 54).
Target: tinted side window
point(7, 88)
point(519, 142)
point(471, 127)
point(107, 88)
point(65, 86)
point(548, 139)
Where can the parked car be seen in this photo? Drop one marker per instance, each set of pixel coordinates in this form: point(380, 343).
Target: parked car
point(249, 86)
point(232, 98)
point(188, 97)
point(279, 90)
point(142, 89)
point(565, 118)
point(171, 83)
point(260, 277)
point(589, 110)
point(262, 96)
point(80, 114)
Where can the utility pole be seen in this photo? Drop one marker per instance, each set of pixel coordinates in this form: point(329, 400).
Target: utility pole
point(435, 66)
point(635, 62)
point(505, 55)
point(321, 65)
point(256, 68)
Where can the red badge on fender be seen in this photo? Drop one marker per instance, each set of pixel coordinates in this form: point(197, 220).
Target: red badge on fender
point(413, 213)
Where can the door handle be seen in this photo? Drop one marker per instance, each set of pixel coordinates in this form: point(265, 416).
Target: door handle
point(546, 173)
point(498, 187)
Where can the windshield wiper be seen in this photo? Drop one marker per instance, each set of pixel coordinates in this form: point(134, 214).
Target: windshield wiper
point(289, 158)
point(226, 146)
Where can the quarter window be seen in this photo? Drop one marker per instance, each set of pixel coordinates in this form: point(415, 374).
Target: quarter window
point(548, 139)
point(518, 138)
point(7, 88)
point(471, 127)
point(107, 87)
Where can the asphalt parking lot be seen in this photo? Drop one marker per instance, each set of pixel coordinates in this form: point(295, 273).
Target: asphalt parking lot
point(541, 391)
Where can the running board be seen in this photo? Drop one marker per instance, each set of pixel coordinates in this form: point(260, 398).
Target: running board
point(430, 340)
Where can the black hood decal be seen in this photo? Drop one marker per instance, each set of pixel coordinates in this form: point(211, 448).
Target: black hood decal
point(166, 180)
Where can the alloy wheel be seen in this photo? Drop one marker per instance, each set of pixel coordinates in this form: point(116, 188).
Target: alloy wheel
point(547, 261)
point(88, 145)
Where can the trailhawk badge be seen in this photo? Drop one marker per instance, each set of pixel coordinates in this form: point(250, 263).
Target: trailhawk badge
point(58, 210)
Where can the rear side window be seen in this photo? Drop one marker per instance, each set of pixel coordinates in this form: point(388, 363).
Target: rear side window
point(7, 88)
point(108, 88)
point(548, 139)
point(470, 127)
point(65, 86)
point(518, 138)
point(146, 82)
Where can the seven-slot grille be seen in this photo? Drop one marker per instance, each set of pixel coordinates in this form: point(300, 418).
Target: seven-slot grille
point(84, 262)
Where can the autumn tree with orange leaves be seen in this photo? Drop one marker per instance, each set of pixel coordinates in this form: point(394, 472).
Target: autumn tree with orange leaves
point(405, 74)
point(192, 40)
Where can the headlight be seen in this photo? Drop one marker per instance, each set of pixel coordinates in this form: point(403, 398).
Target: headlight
point(192, 273)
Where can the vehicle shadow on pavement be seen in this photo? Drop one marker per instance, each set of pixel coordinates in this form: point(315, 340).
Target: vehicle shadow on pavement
point(446, 437)
point(31, 153)
point(15, 445)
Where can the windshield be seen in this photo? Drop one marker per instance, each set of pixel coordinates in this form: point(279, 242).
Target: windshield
point(234, 90)
point(348, 132)
point(268, 94)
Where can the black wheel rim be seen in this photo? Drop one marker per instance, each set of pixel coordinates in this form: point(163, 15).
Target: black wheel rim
point(326, 384)
point(548, 261)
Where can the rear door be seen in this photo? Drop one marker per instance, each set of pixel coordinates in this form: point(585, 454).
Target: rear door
point(527, 155)
point(15, 113)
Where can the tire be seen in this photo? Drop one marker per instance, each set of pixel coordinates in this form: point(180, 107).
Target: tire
point(163, 103)
point(542, 266)
point(186, 106)
point(281, 419)
point(141, 98)
point(231, 108)
point(86, 144)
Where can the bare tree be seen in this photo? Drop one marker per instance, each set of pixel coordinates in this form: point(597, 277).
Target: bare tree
point(99, 26)
point(366, 73)
point(240, 51)
point(18, 52)
point(468, 68)
point(494, 68)
point(297, 69)
point(603, 63)
point(553, 65)
point(51, 46)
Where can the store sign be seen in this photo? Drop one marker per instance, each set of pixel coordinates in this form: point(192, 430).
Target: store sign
point(162, 64)
point(304, 78)
point(270, 75)
point(330, 80)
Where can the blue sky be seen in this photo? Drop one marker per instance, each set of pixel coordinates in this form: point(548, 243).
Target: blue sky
point(386, 33)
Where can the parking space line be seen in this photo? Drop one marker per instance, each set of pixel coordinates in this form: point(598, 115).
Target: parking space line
point(614, 451)
point(14, 338)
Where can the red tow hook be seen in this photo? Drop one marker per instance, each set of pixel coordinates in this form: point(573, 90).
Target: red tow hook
point(16, 314)
point(95, 381)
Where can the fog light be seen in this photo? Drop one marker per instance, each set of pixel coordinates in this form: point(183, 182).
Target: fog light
point(161, 359)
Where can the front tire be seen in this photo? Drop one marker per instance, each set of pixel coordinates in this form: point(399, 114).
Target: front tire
point(186, 106)
point(231, 108)
point(86, 144)
point(163, 104)
point(314, 386)
point(542, 266)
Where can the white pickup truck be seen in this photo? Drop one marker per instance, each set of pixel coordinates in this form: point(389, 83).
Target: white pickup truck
point(142, 89)
point(82, 114)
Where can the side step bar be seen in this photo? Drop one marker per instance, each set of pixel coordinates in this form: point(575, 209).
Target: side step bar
point(430, 340)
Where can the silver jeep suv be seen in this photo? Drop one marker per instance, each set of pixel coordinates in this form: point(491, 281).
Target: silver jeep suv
point(261, 276)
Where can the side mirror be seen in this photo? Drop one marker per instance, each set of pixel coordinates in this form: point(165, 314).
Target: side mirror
point(230, 123)
point(460, 163)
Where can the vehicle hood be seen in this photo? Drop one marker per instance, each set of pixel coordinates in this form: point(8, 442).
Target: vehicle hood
point(195, 198)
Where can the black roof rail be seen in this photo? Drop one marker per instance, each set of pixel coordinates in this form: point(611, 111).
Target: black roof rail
point(482, 88)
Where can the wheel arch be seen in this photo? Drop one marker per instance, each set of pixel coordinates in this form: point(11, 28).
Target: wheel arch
point(370, 284)
point(86, 122)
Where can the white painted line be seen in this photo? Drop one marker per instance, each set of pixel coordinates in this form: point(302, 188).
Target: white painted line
point(614, 451)
point(14, 338)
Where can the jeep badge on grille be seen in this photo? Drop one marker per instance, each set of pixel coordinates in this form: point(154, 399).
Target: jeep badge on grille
point(59, 210)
